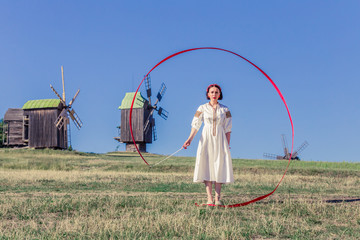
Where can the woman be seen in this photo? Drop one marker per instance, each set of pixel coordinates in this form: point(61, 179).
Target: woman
point(213, 158)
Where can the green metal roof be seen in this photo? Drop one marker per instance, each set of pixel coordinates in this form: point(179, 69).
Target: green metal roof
point(42, 103)
point(138, 103)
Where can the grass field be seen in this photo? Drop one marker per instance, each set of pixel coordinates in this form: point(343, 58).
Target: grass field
point(47, 194)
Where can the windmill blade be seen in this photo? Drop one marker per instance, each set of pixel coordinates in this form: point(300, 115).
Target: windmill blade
point(148, 87)
point(72, 100)
point(78, 123)
point(270, 155)
point(63, 83)
point(154, 129)
point(147, 125)
point(62, 119)
point(161, 92)
point(284, 143)
point(300, 149)
point(163, 113)
point(62, 101)
point(148, 120)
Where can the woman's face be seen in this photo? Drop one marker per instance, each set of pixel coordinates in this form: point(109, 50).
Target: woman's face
point(214, 93)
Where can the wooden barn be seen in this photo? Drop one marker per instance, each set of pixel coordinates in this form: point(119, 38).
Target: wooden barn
point(34, 125)
point(14, 134)
point(140, 114)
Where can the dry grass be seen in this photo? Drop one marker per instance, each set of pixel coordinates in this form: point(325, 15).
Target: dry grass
point(87, 199)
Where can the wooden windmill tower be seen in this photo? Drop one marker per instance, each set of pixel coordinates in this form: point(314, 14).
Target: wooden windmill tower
point(286, 156)
point(143, 121)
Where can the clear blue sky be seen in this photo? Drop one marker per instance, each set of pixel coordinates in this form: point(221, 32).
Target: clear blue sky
point(309, 48)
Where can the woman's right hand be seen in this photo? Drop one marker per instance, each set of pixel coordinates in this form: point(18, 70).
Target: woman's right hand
point(191, 137)
point(187, 143)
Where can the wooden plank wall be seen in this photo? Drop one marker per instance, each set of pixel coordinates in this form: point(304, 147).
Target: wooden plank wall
point(15, 133)
point(14, 119)
point(42, 131)
point(137, 125)
point(139, 116)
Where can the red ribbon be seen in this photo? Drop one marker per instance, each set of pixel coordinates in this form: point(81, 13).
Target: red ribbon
point(267, 76)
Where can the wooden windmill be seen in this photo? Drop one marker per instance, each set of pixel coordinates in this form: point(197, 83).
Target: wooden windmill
point(286, 156)
point(41, 123)
point(143, 121)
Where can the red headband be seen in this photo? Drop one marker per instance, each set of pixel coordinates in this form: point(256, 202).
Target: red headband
point(213, 85)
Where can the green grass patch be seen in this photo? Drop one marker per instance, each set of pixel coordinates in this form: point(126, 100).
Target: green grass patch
point(48, 194)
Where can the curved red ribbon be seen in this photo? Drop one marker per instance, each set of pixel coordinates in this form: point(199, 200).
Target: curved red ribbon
point(271, 81)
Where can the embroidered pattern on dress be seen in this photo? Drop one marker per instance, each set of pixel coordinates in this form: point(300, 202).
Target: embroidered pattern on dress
point(228, 114)
point(198, 113)
point(214, 121)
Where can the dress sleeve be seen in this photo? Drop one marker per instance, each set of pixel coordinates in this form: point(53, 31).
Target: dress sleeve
point(228, 121)
point(198, 119)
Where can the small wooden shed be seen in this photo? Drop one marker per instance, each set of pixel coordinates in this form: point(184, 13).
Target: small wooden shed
point(140, 114)
point(39, 124)
point(14, 135)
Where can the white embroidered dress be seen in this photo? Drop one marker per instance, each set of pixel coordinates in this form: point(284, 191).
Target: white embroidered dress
point(213, 158)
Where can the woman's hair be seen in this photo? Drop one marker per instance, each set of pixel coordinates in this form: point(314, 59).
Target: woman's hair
point(218, 87)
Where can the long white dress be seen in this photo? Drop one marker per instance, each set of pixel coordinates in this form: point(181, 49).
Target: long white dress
point(213, 158)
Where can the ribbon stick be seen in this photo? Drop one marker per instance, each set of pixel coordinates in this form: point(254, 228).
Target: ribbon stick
point(168, 156)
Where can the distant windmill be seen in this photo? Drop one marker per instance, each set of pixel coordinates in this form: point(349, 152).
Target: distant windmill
point(143, 121)
point(63, 118)
point(286, 156)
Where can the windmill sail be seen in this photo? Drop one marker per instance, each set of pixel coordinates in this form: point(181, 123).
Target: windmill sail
point(63, 119)
point(63, 83)
point(270, 155)
point(163, 113)
point(147, 124)
point(150, 120)
point(72, 100)
point(58, 95)
point(78, 123)
point(148, 87)
point(301, 148)
point(285, 146)
point(154, 129)
point(161, 92)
